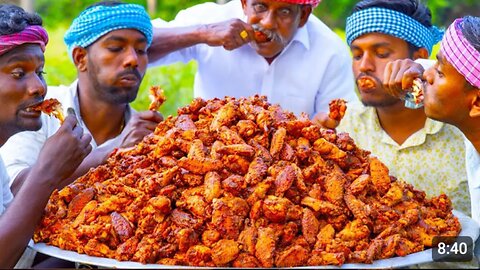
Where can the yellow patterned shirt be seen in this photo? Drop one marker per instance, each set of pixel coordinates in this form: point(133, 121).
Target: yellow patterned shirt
point(432, 159)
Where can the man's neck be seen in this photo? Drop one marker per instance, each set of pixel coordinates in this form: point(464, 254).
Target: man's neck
point(471, 131)
point(399, 122)
point(104, 120)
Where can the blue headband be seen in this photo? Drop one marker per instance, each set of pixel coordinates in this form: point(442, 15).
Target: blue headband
point(392, 23)
point(97, 21)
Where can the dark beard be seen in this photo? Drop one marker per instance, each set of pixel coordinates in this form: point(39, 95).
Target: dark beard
point(108, 93)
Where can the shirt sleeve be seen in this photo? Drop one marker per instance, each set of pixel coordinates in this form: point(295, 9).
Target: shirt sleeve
point(338, 82)
point(21, 151)
point(7, 195)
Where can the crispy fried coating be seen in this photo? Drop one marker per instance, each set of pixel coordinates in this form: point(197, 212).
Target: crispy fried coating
point(241, 183)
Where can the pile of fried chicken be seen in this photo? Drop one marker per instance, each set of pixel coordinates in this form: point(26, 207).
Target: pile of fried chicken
point(239, 182)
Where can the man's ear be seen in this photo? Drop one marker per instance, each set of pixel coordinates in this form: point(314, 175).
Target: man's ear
point(79, 56)
point(475, 109)
point(244, 5)
point(306, 11)
point(420, 53)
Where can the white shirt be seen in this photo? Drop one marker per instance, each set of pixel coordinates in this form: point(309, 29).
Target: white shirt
point(21, 150)
point(473, 174)
point(7, 195)
point(314, 68)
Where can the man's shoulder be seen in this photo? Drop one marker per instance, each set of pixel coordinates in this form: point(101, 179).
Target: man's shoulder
point(61, 91)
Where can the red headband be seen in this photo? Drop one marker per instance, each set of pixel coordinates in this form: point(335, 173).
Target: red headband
point(31, 34)
point(314, 3)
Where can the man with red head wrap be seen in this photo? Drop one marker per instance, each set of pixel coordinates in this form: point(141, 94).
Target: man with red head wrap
point(275, 48)
point(22, 87)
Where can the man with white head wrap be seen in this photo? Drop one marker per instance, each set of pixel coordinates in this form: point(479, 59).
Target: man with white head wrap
point(108, 44)
point(301, 64)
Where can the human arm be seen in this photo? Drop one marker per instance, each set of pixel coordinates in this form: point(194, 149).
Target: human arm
point(225, 33)
point(59, 157)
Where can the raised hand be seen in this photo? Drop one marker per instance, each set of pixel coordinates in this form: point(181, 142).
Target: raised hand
point(140, 125)
point(230, 34)
point(62, 153)
point(399, 75)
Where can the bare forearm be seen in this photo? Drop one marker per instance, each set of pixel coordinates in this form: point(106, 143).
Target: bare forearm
point(167, 40)
point(19, 180)
point(20, 219)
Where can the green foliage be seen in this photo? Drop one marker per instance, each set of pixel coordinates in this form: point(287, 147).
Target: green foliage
point(177, 80)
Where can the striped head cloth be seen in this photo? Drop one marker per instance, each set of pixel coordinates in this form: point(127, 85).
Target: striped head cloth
point(31, 34)
point(394, 23)
point(314, 3)
point(461, 54)
point(99, 20)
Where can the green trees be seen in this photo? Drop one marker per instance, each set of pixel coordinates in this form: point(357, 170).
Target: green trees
point(177, 80)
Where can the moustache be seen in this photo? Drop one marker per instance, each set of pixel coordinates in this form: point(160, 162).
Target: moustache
point(134, 72)
point(271, 35)
point(362, 75)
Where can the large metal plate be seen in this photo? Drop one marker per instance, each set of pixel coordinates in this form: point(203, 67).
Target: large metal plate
point(469, 228)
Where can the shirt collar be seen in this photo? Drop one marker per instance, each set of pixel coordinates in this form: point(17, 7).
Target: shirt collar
point(76, 107)
point(302, 36)
point(418, 138)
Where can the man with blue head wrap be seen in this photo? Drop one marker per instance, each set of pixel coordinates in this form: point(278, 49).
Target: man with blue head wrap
point(414, 147)
point(108, 44)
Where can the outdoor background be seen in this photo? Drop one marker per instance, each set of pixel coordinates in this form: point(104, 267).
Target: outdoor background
point(177, 79)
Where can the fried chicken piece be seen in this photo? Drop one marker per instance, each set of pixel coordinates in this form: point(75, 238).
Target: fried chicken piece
point(198, 255)
point(224, 251)
point(355, 230)
point(329, 150)
point(379, 176)
point(237, 149)
point(157, 97)
point(265, 246)
point(337, 109)
point(334, 187)
point(284, 180)
point(121, 226)
point(276, 209)
point(213, 186)
point(79, 201)
point(320, 206)
point(225, 115)
point(292, 256)
point(248, 239)
point(257, 170)
point(245, 260)
point(200, 165)
point(278, 141)
point(50, 107)
point(310, 226)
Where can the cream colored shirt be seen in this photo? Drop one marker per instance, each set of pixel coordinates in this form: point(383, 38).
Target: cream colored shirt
point(432, 159)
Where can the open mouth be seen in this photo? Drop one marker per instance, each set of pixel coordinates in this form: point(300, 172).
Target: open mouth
point(366, 83)
point(260, 35)
point(34, 107)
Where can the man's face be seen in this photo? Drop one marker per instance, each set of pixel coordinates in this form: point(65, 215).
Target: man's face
point(447, 95)
point(280, 20)
point(21, 86)
point(116, 65)
point(371, 53)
